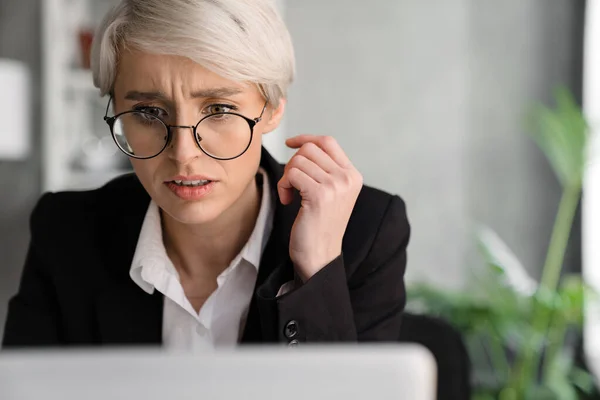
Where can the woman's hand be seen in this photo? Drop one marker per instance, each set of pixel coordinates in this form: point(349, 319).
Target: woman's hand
point(329, 186)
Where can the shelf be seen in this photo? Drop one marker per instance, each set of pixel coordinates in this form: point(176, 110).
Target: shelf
point(72, 108)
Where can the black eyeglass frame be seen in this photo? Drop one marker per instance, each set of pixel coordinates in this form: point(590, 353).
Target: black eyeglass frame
point(251, 123)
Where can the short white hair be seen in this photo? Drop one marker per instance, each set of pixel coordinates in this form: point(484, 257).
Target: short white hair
point(241, 40)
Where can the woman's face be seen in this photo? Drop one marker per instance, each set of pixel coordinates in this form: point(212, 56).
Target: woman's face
point(181, 92)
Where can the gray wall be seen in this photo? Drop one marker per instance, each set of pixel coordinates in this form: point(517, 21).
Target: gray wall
point(519, 51)
point(428, 98)
point(20, 181)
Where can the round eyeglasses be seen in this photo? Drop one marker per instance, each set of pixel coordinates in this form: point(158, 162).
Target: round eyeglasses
point(143, 135)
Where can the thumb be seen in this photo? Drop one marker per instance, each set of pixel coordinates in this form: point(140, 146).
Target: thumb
point(285, 190)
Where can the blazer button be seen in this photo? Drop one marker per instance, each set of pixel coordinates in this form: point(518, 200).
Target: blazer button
point(293, 343)
point(291, 329)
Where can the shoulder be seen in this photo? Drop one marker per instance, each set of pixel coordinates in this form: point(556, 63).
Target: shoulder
point(373, 204)
point(73, 205)
point(73, 213)
point(375, 209)
point(378, 227)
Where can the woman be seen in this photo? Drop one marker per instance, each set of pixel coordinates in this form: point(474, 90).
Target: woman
point(211, 242)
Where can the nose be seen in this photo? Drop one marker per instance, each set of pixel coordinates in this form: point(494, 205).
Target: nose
point(183, 146)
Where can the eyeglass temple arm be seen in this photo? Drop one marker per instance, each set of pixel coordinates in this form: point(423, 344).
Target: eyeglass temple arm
point(107, 107)
point(257, 120)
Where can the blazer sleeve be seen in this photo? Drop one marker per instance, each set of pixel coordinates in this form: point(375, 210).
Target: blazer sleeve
point(332, 307)
point(32, 318)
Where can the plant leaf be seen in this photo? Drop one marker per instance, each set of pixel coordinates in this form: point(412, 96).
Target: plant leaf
point(498, 255)
point(561, 133)
point(573, 292)
point(583, 380)
point(563, 390)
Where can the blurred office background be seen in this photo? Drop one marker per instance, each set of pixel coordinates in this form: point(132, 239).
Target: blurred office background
point(426, 96)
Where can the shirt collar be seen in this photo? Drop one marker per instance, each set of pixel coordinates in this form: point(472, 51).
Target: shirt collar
point(254, 247)
point(150, 252)
point(151, 256)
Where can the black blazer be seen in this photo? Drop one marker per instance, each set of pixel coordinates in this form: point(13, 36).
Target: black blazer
point(76, 289)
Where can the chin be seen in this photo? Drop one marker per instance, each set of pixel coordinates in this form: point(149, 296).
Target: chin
point(191, 213)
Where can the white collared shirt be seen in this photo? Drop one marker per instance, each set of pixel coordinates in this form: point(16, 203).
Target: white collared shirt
point(222, 317)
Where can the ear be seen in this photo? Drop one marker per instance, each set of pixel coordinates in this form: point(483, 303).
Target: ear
point(274, 116)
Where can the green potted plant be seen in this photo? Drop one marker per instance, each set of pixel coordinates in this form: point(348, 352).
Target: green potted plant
point(517, 330)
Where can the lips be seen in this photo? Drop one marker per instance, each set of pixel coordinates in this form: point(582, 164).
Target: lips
point(191, 193)
point(190, 187)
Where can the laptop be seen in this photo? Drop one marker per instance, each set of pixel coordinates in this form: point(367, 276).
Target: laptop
point(398, 372)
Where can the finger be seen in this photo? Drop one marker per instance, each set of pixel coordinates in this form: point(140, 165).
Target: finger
point(318, 156)
point(327, 143)
point(294, 178)
point(309, 167)
point(296, 142)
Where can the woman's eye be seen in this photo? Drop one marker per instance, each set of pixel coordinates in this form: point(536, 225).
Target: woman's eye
point(220, 108)
point(155, 111)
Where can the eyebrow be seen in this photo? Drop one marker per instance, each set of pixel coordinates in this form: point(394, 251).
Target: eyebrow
point(204, 93)
point(217, 92)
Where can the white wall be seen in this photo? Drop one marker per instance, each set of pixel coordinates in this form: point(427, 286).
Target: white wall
point(591, 199)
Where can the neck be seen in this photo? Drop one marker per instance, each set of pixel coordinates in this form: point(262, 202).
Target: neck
point(205, 251)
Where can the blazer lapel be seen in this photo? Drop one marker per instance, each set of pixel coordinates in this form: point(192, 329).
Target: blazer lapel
point(276, 254)
point(126, 314)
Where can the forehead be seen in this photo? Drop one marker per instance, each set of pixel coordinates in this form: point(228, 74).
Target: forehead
point(142, 70)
